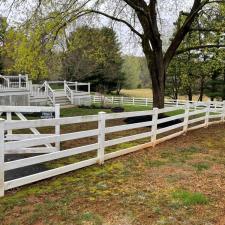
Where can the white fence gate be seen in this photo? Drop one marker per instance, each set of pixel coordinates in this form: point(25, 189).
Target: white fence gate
point(189, 119)
point(34, 133)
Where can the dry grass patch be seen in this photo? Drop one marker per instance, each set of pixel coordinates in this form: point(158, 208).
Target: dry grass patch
point(179, 182)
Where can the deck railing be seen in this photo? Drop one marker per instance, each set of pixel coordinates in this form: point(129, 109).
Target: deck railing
point(152, 132)
point(14, 82)
point(50, 93)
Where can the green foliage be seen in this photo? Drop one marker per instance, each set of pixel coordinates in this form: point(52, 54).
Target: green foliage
point(193, 72)
point(94, 55)
point(3, 27)
point(31, 51)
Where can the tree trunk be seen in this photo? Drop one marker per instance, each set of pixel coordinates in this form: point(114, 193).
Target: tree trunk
point(201, 90)
point(157, 68)
point(157, 74)
point(190, 95)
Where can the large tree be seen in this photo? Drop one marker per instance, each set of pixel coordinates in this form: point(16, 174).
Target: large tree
point(142, 17)
point(93, 55)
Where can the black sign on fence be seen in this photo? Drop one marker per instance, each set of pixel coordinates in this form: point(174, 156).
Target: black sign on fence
point(47, 115)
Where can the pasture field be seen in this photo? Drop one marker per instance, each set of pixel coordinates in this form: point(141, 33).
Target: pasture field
point(147, 93)
point(180, 181)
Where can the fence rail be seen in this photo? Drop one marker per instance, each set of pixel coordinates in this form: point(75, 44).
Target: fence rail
point(189, 119)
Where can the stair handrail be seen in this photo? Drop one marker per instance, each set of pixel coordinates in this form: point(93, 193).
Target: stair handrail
point(6, 79)
point(68, 92)
point(49, 92)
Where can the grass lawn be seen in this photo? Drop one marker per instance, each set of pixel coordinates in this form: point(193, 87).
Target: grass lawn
point(75, 111)
point(178, 182)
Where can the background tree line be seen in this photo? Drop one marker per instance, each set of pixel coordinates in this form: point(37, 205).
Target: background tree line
point(94, 55)
point(85, 55)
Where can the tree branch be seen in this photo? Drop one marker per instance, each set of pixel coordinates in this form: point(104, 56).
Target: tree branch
point(118, 20)
point(181, 51)
point(181, 33)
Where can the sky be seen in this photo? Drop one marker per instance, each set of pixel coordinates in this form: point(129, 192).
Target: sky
point(169, 11)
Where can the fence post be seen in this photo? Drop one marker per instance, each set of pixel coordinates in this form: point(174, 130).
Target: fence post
point(186, 117)
point(64, 85)
point(89, 88)
point(133, 101)
point(207, 114)
point(223, 112)
point(76, 88)
point(154, 126)
point(8, 118)
point(146, 101)
point(26, 81)
point(101, 137)
point(122, 101)
point(57, 127)
point(19, 80)
point(2, 157)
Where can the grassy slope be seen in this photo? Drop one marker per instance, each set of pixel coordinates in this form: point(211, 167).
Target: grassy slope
point(178, 182)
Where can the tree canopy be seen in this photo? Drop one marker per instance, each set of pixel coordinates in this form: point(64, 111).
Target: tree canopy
point(93, 55)
point(143, 19)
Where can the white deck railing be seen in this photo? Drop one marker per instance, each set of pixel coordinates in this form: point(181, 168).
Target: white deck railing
point(152, 134)
point(50, 93)
point(14, 82)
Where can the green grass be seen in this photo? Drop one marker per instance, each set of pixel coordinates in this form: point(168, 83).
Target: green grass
point(88, 218)
point(155, 163)
point(188, 198)
point(180, 155)
point(200, 166)
point(95, 109)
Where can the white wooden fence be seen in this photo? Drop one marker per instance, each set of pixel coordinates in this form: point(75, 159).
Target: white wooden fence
point(120, 100)
point(190, 119)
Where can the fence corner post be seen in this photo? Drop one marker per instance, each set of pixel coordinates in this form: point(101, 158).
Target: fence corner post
point(207, 114)
point(154, 126)
point(186, 117)
point(223, 112)
point(101, 137)
point(2, 150)
point(57, 127)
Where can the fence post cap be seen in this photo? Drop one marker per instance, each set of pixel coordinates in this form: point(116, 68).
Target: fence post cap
point(102, 112)
point(2, 121)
